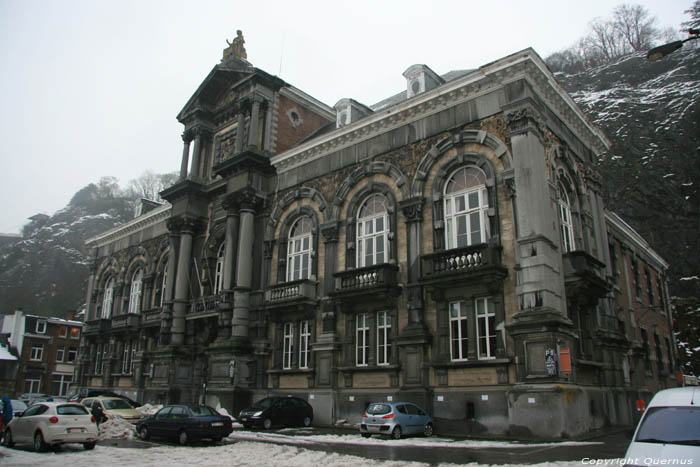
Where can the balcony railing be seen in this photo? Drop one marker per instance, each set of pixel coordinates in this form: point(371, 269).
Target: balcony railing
point(151, 316)
point(205, 304)
point(371, 277)
point(584, 276)
point(97, 326)
point(291, 291)
point(129, 320)
point(460, 261)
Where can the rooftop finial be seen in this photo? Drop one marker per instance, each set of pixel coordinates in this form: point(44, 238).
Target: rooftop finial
point(235, 48)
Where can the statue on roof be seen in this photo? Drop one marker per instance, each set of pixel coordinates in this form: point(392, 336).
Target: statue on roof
point(235, 48)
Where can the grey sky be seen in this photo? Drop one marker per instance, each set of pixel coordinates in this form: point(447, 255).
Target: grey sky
point(92, 88)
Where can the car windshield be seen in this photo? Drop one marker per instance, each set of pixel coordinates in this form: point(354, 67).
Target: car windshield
point(378, 409)
point(115, 404)
point(264, 403)
point(675, 425)
point(203, 411)
point(18, 405)
point(71, 409)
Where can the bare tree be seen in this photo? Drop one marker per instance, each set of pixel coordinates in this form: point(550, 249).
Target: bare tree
point(604, 40)
point(694, 13)
point(635, 26)
point(149, 185)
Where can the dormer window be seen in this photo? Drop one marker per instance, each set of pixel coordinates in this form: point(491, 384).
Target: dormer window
point(419, 79)
point(41, 327)
point(348, 111)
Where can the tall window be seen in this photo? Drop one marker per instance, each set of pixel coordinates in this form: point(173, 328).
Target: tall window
point(60, 353)
point(383, 338)
point(41, 327)
point(135, 294)
point(99, 364)
point(37, 352)
point(72, 354)
point(163, 281)
point(60, 383)
point(466, 208)
point(650, 288)
point(108, 299)
point(299, 250)
point(128, 358)
point(567, 226)
point(304, 336)
point(372, 231)
point(486, 328)
point(362, 340)
point(62, 331)
point(287, 346)
point(32, 386)
point(459, 338)
point(219, 271)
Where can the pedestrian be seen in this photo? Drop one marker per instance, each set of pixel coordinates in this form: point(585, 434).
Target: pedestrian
point(6, 414)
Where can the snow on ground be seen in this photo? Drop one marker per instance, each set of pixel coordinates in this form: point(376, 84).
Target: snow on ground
point(242, 453)
point(116, 428)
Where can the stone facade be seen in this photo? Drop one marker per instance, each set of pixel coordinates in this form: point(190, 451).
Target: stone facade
point(450, 248)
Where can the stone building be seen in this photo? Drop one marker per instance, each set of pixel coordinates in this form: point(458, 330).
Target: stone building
point(447, 246)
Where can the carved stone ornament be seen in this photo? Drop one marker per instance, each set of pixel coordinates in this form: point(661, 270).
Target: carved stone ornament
point(413, 209)
point(184, 224)
point(330, 233)
point(243, 199)
point(523, 120)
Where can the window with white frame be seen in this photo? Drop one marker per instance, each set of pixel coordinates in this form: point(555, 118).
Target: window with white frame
point(72, 354)
point(135, 291)
point(287, 346)
point(459, 336)
point(32, 385)
point(565, 219)
point(485, 328)
point(383, 338)
point(373, 231)
point(108, 299)
point(99, 363)
point(362, 339)
point(60, 353)
point(304, 351)
point(128, 357)
point(163, 281)
point(41, 326)
point(37, 352)
point(299, 250)
point(219, 271)
point(466, 208)
point(75, 333)
point(62, 331)
point(60, 384)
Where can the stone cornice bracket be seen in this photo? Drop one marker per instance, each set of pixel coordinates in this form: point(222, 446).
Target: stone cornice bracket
point(201, 131)
point(509, 183)
point(330, 232)
point(525, 119)
point(185, 224)
point(245, 199)
point(412, 209)
point(187, 136)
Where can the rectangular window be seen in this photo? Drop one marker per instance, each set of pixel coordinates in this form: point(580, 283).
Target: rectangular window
point(613, 261)
point(650, 288)
point(669, 352)
point(75, 333)
point(37, 352)
point(32, 386)
point(662, 299)
point(383, 338)
point(304, 336)
point(486, 328)
point(458, 331)
point(362, 340)
point(60, 352)
point(126, 358)
point(41, 327)
point(72, 354)
point(287, 346)
point(645, 349)
point(98, 360)
point(62, 331)
point(637, 278)
point(61, 383)
point(659, 354)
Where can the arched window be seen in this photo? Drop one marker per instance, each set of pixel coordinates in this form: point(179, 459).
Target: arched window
point(135, 291)
point(163, 281)
point(108, 299)
point(372, 231)
point(466, 208)
point(299, 249)
point(219, 271)
point(567, 226)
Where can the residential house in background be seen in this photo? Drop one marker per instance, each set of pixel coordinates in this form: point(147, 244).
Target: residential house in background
point(48, 352)
point(447, 246)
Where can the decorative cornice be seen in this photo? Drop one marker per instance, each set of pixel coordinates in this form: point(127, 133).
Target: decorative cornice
point(413, 209)
point(151, 218)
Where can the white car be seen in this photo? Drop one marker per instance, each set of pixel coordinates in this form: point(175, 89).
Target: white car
point(49, 424)
point(669, 431)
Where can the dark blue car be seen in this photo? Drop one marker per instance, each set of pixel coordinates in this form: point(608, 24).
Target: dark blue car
point(185, 423)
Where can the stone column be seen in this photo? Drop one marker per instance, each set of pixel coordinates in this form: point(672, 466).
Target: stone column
point(91, 284)
point(412, 209)
point(240, 129)
point(230, 245)
point(196, 155)
point(181, 300)
point(254, 120)
point(244, 264)
point(186, 137)
point(166, 313)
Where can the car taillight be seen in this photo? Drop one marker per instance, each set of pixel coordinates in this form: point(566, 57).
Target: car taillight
point(391, 415)
point(364, 415)
point(202, 425)
point(93, 419)
point(53, 419)
point(228, 423)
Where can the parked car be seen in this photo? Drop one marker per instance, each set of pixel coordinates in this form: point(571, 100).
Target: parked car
point(95, 392)
point(287, 411)
point(395, 419)
point(50, 424)
point(105, 408)
point(18, 407)
point(668, 430)
point(185, 423)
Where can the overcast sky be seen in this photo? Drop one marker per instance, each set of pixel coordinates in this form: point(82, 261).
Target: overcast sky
point(91, 88)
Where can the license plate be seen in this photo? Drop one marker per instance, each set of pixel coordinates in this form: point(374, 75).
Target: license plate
point(372, 428)
point(244, 419)
point(76, 430)
point(217, 424)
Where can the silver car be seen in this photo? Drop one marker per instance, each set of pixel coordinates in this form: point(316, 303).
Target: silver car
point(49, 424)
point(395, 419)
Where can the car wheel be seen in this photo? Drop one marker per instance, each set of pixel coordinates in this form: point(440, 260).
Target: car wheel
point(267, 424)
point(396, 434)
point(144, 434)
point(39, 444)
point(428, 430)
point(89, 446)
point(216, 439)
point(183, 438)
point(7, 440)
point(307, 421)
point(365, 435)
